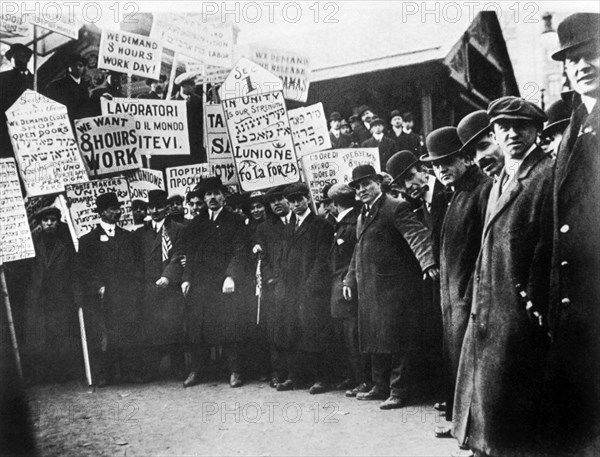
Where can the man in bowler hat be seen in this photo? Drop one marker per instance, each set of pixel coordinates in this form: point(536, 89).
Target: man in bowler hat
point(72, 90)
point(476, 134)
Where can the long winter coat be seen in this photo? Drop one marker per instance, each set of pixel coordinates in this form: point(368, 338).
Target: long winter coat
point(116, 264)
point(162, 308)
point(215, 250)
point(74, 96)
point(499, 385)
point(573, 393)
point(307, 281)
point(392, 252)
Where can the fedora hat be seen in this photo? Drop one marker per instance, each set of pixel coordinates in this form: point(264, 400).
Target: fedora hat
point(361, 172)
point(18, 47)
point(441, 143)
point(157, 198)
point(559, 115)
point(472, 127)
point(400, 163)
point(107, 200)
point(575, 30)
point(361, 109)
point(210, 183)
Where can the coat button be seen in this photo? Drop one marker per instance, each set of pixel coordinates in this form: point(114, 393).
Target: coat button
point(478, 278)
point(565, 228)
point(566, 301)
point(564, 263)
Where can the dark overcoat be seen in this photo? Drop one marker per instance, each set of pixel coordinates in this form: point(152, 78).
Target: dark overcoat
point(343, 141)
point(307, 281)
point(215, 250)
point(162, 308)
point(360, 134)
point(50, 313)
point(116, 264)
point(13, 84)
point(340, 256)
point(574, 366)
point(74, 96)
point(386, 147)
point(499, 385)
point(392, 252)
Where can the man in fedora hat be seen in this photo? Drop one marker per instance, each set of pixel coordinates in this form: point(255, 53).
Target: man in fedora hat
point(361, 129)
point(157, 88)
point(460, 239)
point(215, 279)
point(338, 139)
point(307, 282)
point(13, 83)
point(559, 116)
point(574, 366)
point(500, 374)
point(475, 133)
point(386, 146)
point(109, 264)
point(72, 90)
point(392, 253)
point(160, 240)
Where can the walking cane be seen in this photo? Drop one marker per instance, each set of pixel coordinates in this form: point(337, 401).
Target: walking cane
point(84, 346)
point(11, 325)
point(258, 288)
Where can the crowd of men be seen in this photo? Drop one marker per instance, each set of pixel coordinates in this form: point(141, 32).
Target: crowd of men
point(480, 229)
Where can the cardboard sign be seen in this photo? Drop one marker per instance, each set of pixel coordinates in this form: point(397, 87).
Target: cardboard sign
point(161, 125)
point(335, 166)
point(309, 129)
point(143, 180)
point(248, 78)
point(292, 67)
point(108, 144)
point(15, 236)
point(130, 53)
point(65, 24)
point(14, 23)
point(44, 145)
point(81, 199)
point(218, 149)
point(180, 180)
point(210, 43)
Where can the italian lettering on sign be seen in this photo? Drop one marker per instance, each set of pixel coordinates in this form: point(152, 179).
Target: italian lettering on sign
point(293, 68)
point(180, 180)
point(218, 149)
point(130, 53)
point(309, 129)
point(15, 235)
point(335, 166)
point(208, 42)
point(142, 181)
point(161, 125)
point(81, 199)
point(45, 148)
point(108, 143)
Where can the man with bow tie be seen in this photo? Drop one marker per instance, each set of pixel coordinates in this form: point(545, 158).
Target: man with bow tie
point(392, 253)
point(160, 240)
point(110, 274)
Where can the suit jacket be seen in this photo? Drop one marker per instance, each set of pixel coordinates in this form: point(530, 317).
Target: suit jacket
point(408, 142)
point(500, 377)
point(13, 84)
point(387, 148)
point(391, 254)
point(74, 96)
point(360, 134)
point(343, 141)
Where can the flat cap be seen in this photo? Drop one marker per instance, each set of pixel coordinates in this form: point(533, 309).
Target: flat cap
point(275, 193)
point(47, 211)
point(298, 188)
point(515, 108)
point(340, 190)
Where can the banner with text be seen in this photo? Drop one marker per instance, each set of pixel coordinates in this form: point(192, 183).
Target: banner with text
point(130, 53)
point(65, 24)
point(180, 180)
point(161, 125)
point(44, 145)
point(143, 180)
point(309, 129)
point(218, 149)
point(335, 166)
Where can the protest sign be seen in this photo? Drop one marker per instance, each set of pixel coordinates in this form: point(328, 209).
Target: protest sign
point(108, 143)
point(258, 128)
point(14, 23)
point(218, 149)
point(180, 180)
point(81, 199)
point(292, 67)
point(309, 129)
point(335, 166)
point(210, 43)
point(161, 125)
point(130, 53)
point(143, 180)
point(65, 24)
point(44, 145)
point(15, 236)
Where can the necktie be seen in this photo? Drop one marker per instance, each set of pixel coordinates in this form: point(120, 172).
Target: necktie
point(166, 244)
point(297, 225)
point(365, 212)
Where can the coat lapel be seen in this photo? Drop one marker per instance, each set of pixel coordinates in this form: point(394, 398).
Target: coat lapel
point(372, 215)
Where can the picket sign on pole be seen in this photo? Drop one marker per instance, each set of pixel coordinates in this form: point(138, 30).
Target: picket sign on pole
point(172, 76)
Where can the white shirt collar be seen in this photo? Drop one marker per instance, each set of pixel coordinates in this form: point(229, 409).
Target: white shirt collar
point(589, 102)
point(406, 131)
point(108, 228)
point(512, 165)
point(286, 219)
point(300, 218)
point(336, 133)
point(77, 80)
point(343, 214)
point(374, 201)
point(158, 225)
point(212, 215)
point(378, 136)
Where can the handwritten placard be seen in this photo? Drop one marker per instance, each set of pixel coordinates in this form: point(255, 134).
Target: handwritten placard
point(142, 181)
point(180, 180)
point(309, 129)
point(218, 148)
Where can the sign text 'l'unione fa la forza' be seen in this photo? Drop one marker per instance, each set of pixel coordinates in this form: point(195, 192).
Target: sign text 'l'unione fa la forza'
point(258, 128)
point(161, 125)
point(45, 148)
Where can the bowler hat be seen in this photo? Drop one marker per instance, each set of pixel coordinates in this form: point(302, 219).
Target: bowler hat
point(210, 183)
point(575, 30)
point(361, 172)
point(157, 198)
point(559, 116)
point(395, 113)
point(515, 108)
point(47, 211)
point(400, 163)
point(376, 121)
point(106, 200)
point(296, 189)
point(15, 48)
point(335, 116)
point(472, 127)
point(441, 143)
point(361, 109)
point(274, 193)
